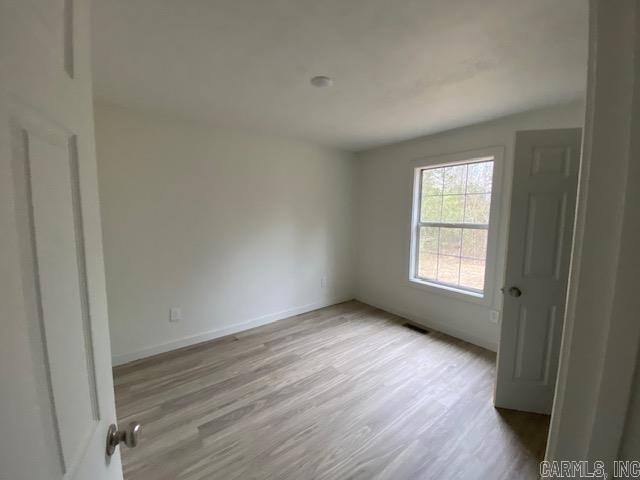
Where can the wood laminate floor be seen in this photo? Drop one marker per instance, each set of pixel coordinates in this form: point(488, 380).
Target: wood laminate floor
point(345, 392)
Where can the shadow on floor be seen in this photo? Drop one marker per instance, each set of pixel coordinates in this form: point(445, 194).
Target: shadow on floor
point(524, 425)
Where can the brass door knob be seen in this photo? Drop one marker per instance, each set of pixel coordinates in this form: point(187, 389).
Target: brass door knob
point(129, 436)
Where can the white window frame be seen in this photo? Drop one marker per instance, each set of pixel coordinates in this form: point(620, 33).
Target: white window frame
point(477, 155)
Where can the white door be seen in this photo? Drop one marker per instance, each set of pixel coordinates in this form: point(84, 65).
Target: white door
point(56, 398)
point(543, 202)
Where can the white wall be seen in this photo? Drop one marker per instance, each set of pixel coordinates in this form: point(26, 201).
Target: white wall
point(383, 216)
point(235, 228)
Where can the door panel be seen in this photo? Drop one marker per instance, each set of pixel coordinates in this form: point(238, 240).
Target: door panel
point(551, 161)
point(57, 396)
point(535, 339)
point(541, 224)
point(50, 173)
point(545, 220)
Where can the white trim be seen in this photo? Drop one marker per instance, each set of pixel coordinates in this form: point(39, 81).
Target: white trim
point(494, 153)
point(595, 382)
point(447, 289)
point(123, 358)
point(432, 325)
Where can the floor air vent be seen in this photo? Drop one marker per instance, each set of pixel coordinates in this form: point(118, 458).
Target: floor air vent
point(416, 328)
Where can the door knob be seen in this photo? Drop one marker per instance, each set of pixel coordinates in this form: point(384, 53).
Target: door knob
point(514, 292)
point(129, 436)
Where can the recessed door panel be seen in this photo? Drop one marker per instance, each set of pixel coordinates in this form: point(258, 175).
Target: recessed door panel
point(536, 325)
point(60, 287)
point(545, 226)
point(52, 28)
point(551, 160)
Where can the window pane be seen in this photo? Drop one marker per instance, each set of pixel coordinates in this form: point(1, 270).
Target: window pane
point(428, 253)
point(448, 269)
point(432, 181)
point(472, 273)
point(450, 241)
point(454, 179)
point(479, 177)
point(477, 208)
point(457, 194)
point(453, 208)
point(429, 239)
point(474, 243)
point(431, 209)
point(427, 265)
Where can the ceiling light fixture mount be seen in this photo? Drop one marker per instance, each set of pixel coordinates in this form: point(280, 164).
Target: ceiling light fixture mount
point(321, 81)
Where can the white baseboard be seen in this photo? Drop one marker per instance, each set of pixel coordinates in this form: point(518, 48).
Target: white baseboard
point(428, 323)
point(123, 358)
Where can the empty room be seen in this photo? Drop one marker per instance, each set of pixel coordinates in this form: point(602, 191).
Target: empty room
point(291, 239)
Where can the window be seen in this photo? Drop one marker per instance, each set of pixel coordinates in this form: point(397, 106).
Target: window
point(451, 211)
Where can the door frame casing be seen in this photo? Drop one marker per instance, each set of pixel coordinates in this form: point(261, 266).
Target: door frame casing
point(601, 332)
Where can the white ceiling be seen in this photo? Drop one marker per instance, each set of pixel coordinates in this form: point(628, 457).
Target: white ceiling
point(402, 68)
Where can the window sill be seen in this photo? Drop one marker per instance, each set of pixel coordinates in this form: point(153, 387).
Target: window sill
point(451, 292)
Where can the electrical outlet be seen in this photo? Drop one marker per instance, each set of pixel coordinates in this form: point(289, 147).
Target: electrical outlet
point(323, 282)
point(175, 314)
point(494, 316)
